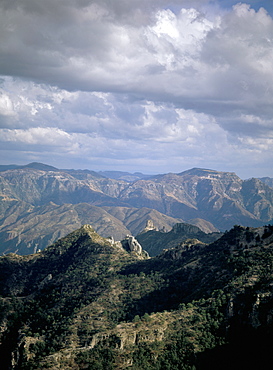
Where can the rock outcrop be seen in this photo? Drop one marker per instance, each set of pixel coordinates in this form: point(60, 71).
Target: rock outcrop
point(149, 226)
point(132, 245)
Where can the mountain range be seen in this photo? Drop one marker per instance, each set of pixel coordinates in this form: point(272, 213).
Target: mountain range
point(40, 203)
point(87, 302)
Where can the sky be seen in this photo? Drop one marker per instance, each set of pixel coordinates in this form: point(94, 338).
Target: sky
point(152, 86)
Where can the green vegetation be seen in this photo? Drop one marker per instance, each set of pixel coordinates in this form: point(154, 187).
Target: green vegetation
point(86, 304)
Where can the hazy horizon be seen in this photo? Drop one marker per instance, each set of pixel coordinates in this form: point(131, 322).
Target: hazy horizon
point(124, 171)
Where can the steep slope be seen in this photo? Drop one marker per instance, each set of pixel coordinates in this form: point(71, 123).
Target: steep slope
point(88, 303)
point(258, 198)
point(54, 285)
point(267, 180)
point(212, 200)
point(218, 197)
point(154, 242)
point(203, 225)
point(11, 210)
point(26, 231)
point(25, 228)
point(135, 219)
point(39, 187)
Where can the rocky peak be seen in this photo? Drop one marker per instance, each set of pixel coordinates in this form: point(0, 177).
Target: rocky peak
point(207, 173)
point(132, 245)
point(149, 226)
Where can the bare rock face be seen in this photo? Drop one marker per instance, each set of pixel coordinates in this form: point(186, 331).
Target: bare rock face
point(40, 204)
point(149, 226)
point(132, 245)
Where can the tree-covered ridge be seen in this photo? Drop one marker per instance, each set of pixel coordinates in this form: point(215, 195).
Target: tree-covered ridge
point(86, 302)
point(154, 242)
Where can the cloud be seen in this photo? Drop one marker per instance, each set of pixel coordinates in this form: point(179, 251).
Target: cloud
point(90, 46)
point(239, 53)
point(6, 106)
point(177, 56)
point(115, 80)
point(37, 136)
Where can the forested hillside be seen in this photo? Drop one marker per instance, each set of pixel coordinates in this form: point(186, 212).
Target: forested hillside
point(87, 302)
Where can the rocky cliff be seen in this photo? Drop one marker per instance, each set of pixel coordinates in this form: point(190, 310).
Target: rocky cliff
point(32, 196)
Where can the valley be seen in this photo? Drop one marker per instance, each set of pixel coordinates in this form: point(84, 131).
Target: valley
point(134, 272)
point(41, 203)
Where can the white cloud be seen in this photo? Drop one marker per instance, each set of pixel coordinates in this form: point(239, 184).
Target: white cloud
point(46, 136)
point(172, 55)
point(243, 46)
point(165, 79)
point(6, 105)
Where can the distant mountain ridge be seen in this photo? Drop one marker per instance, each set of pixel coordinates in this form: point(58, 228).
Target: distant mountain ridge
point(27, 229)
point(267, 180)
point(125, 176)
point(80, 174)
point(33, 165)
point(220, 199)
